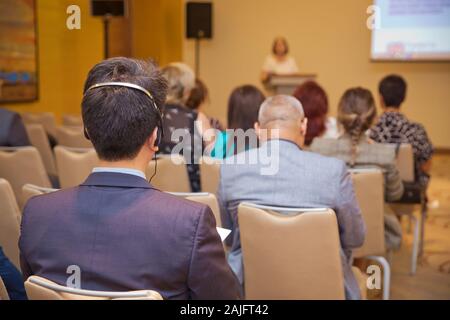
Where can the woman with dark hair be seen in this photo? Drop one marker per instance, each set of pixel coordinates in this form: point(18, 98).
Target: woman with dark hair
point(279, 61)
point(197, 100)
point(243, 108)
point(356, 113)
point(315, 105)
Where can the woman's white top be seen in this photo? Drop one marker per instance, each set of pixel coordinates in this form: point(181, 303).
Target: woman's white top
point(332, 129)
point(287, 66)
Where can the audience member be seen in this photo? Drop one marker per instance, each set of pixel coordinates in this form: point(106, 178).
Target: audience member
point(178, 116)
point(11, 278)
point(115, 227)
point(303, 179)
point(394, 127)
point(243, 107)
point(197, 100)
point(315, 104)
point(12, 130)
point(356, 113)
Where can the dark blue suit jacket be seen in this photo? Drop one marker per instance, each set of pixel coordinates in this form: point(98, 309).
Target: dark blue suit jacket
point(12, 130)
point(125, 235)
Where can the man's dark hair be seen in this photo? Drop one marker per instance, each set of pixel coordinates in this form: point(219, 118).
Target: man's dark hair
point(117, 119)
point(393, 90)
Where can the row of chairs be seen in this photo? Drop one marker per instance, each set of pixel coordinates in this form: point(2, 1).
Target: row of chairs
point(21, 165)
point(285, 242)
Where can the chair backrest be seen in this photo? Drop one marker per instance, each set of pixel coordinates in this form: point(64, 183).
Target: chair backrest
point(405, 162)
point(209, 174)
point(46, 119)
point(171, 174)
point(369, 193)
point(9, 223)
point(3, 293)
point(22, 165)
point(74, 164)
point(290, 256)
point(205, 198)
point(30, 190)
point(38, 138)
point(72, 120)
point(39, 288)
point(72, 137)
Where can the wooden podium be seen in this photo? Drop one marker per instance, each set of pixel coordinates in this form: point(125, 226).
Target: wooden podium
point(286, 84)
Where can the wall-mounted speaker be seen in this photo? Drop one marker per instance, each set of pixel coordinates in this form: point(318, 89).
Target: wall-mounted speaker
point(199, 20)
point(116, 8)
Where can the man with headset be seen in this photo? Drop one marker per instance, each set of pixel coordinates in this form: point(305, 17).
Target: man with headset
point(120, 232)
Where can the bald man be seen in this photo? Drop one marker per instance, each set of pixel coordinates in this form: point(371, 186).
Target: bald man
point(281, 173)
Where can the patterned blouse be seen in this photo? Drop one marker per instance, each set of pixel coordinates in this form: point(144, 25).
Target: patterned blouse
point(394, 127)
point(179, 127)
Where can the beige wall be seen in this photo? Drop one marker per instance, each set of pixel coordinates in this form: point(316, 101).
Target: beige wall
point(326, 37)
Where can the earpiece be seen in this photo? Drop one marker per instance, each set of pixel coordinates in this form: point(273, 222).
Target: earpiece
point(160, 131)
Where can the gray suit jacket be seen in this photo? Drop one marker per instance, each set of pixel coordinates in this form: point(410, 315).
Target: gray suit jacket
point(125, 235)
point(303, 179)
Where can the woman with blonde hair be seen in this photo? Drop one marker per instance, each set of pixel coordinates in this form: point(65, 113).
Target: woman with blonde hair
point(356, 113)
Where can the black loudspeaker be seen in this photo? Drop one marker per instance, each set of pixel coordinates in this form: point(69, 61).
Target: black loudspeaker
point(102, 8)
point(199, 20)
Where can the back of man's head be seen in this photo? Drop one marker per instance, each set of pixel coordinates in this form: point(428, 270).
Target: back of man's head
point(281, 112)
point(119, 119)
point(392, 89)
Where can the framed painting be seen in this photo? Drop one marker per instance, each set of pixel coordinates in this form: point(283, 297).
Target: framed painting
point(18, 51)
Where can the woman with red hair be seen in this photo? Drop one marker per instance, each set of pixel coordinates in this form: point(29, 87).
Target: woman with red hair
point(315, 105)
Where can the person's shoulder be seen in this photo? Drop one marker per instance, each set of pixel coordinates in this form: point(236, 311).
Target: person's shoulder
point(48, 202)
point(320, 143)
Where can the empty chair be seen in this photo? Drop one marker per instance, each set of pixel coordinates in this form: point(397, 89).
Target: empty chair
point(405, 164)
point(290, 256)
point(38, 138)
point(205, 198)
point(3, 293)
point(171, 173)
point(72, 137)
point(368, 186)
point(30, 190)
point(74, 165)
point(209, 174)
point(46, 119)
point(22, 165)
point(72, 120)
point(39, 288)
point(9, 223)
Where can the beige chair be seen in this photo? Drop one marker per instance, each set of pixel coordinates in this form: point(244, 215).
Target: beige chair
point(209, 174)
point(290, 255)
point(22, 165)
point(3, 293)
point(74, 164)
point(368, 186)
point(405, 165)
point(38, 138)
point(46, 119)
point(72, 120)
point(30, 190)
point(72, 137)
point(171, 174)
point(39, 288)
point(405, 162)
point(205, 198)
point(9, 223)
